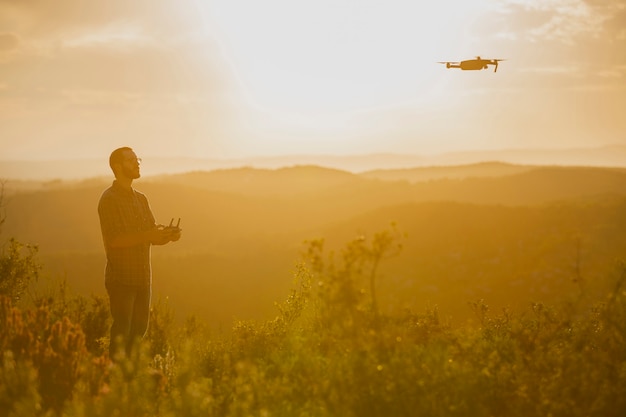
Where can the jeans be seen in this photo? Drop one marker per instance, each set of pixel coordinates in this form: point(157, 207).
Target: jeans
point(130, 308)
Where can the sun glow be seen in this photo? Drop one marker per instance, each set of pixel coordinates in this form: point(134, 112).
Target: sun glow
point(321, 67)
point(235, 78)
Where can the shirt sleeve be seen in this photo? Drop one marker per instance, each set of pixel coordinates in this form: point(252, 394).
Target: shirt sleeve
point(110, 219)
point(148, 216)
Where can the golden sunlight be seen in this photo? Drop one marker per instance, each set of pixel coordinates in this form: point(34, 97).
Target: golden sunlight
point(312, 207)
point(242, 78)
point(316, 72)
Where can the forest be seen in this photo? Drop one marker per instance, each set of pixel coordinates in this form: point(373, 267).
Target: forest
point(480, 290)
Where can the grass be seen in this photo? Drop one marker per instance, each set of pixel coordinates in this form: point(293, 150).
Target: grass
point(328, 352)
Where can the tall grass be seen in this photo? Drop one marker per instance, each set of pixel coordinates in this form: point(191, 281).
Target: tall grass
point(329, 351)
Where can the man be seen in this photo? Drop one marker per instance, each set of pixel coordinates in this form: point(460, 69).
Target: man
point(128, 231)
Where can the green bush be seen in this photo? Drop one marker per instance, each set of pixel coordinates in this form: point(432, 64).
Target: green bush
point(55, 349)
point(328, 352)
point(18, 268)
point(18, 264)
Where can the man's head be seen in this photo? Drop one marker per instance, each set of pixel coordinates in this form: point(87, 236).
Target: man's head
point(124, 163)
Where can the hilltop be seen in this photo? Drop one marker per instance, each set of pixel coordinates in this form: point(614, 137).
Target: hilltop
point(75, 169)
point(511, 232)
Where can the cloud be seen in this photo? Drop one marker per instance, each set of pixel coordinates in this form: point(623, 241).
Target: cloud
point(565, 21)
point(98, 99)
point(39, 18)
point(108, 70)
point(554, 70)
point(616, 21)
point(8, 42)
point(47, 26)
point(583, 76)
point(149, 46)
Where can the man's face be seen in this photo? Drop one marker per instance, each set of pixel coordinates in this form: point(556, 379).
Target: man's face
point(130, 165)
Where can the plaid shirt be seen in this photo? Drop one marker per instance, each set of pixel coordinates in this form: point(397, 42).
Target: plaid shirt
point(122, 211)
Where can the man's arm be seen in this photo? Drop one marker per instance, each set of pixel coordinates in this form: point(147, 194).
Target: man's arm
point(112, 230)
point(154, 236)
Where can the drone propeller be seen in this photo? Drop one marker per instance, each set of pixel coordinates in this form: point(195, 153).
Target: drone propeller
point(495, 62)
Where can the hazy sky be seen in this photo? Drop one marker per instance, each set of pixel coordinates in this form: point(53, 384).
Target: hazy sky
point(238, 78)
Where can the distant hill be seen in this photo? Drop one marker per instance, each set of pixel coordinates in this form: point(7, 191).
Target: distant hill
point(225, 206)
point(288, 181)
point(429, 173)
point(510, 232)
point(491, 183)
point(228, 205)
point(46, 170)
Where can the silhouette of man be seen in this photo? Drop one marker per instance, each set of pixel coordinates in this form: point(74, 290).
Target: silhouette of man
point(128, 231)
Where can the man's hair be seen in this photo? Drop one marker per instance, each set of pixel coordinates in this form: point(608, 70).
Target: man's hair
point(117, 156)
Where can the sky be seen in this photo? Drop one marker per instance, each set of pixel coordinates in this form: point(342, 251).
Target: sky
point(245, 78)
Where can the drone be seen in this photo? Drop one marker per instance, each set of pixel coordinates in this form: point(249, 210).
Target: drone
point(473, 64)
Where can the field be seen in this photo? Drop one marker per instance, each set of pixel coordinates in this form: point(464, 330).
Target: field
point(479, 290)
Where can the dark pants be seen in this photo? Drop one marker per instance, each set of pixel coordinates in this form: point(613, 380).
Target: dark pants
point(130, 308)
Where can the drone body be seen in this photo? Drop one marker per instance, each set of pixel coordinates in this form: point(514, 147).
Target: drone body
point(473, 64)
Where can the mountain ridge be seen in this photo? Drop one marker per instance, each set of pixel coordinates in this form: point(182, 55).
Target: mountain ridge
point(465, 235)
point(601, 156)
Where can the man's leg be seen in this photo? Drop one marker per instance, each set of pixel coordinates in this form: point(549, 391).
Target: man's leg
point(122, 301)
point(140, 317)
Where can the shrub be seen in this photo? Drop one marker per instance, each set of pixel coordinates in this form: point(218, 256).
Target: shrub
point(18, 268)
point(55, 349)
point(18, 265)
point(310, 361)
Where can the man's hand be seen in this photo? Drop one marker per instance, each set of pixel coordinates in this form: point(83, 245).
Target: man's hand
point(174, 230)
point(159, 236)
point(174, 234)
point(162, 235)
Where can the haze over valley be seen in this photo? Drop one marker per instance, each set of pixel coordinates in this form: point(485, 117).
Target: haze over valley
point(77, 169)
point(510, 234)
